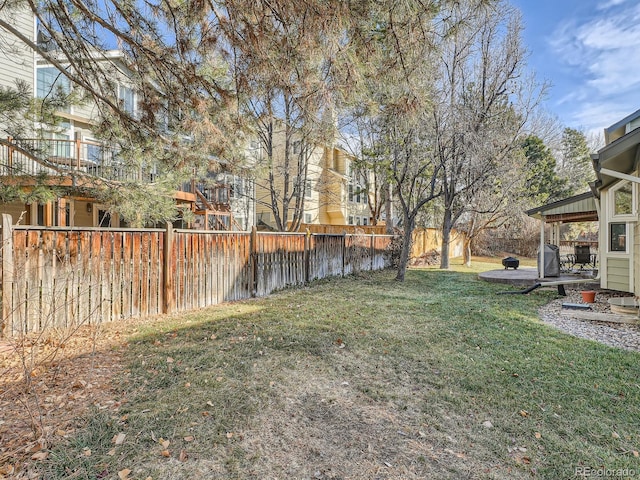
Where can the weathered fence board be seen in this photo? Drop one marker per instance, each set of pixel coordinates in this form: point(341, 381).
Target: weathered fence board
point(63, 277)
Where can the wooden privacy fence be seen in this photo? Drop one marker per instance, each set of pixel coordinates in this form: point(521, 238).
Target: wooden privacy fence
point(55, 277)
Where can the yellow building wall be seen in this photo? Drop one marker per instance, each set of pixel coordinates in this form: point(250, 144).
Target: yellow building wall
point(324, 204)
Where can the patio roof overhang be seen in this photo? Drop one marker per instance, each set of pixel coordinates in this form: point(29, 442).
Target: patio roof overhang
point(579, 208)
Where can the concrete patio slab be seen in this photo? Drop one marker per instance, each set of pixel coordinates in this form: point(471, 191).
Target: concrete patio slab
point(527, 276)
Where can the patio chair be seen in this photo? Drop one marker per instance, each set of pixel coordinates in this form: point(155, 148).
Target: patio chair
point(582, 256)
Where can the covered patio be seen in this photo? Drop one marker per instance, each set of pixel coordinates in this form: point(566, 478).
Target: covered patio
point(576, 256)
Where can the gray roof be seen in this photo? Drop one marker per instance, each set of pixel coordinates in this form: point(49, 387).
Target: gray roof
point(570, 208)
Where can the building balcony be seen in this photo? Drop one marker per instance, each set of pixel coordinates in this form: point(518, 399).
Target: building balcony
point(54, 157)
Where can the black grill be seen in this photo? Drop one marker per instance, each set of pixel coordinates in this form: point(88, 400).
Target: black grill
point(510, 262)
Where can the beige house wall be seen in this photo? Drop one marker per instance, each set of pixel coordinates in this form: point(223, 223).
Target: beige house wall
point(18, 211)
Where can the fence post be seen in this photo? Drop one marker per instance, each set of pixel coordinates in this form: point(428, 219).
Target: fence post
point(253, 258)
point(372, 250)
point(307, 254)
point(167, 272)
point(344, 251)
point(10, 155)
point(7, 271)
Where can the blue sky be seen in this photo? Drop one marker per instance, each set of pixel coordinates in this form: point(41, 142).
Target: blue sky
point(589, 50)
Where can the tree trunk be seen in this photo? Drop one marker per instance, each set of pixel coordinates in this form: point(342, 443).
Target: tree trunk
point(467, 251)
point(409, 225)
point(446, 239)
point(388, 210)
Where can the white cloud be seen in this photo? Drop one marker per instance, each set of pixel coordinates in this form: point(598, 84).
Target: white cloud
point(609, 4)
point(602, 52)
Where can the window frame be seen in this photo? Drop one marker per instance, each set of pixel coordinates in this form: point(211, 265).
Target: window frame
point(123, 93)
point(308, 218)
point(612, 200)
point(308, 189)
point(610, 242)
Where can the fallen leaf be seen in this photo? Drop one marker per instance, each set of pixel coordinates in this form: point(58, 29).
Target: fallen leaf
point(487, 424)
point(188, 439)
point(636, 454)
point(183, 456)
point(36, 447)
point(169, 360)
point(524, 413)
point(187, 385)
point(86, 452)
point(615, 435)
point(7, 470)
point(124, 474)
point(165, 453)
point(538, 435)
point(165, 443)
point(119, 438)
point(39, 455)
point(111, 452)
point(229, 434)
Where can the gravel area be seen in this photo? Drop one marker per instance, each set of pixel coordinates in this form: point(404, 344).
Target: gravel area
point(626, 336)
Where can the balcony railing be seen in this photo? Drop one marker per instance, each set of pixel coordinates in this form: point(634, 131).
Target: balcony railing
point(30, 157)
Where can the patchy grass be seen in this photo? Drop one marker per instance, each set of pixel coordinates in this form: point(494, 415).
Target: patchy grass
point(360, 378)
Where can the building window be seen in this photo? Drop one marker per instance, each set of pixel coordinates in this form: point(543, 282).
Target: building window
point(308, 186)
point(307, 218)
point(297, 147)
point(623, 199)
point(126, 96)
point(51, 82)
point(350, 219)
point(618, 237)
point(365, 221)
point(104, 218)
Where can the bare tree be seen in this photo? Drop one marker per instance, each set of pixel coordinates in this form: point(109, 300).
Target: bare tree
point(284, 56)
point(415, 113)
point(361, 136)
point(485, 103)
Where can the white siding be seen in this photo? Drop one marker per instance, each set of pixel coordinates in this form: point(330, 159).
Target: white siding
point(16, 60)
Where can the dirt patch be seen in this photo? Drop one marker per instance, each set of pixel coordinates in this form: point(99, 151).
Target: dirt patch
point(432, 257)
point(47, 383)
